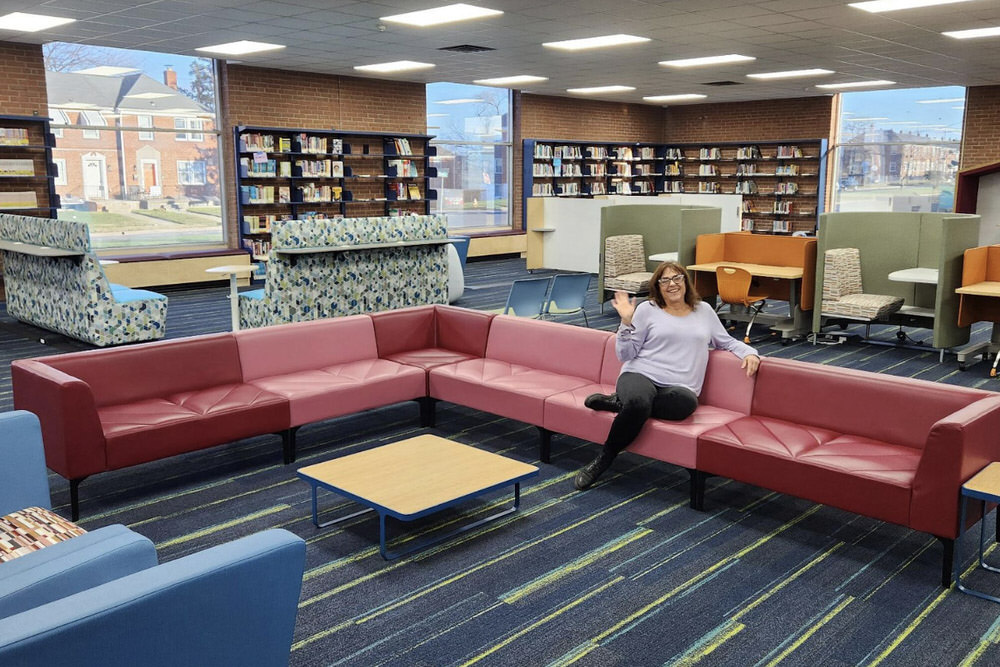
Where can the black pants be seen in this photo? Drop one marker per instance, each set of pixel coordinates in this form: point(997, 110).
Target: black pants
point(641, 399)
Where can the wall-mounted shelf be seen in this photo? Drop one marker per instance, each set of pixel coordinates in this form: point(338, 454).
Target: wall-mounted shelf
point(27, 172)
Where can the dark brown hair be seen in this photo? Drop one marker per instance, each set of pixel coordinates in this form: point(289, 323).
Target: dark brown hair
point(691, 297)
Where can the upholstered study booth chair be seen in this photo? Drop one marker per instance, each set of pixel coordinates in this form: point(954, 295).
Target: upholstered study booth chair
point(568, 295)
point(736, 288)
point(844, 296)
point(625, 266)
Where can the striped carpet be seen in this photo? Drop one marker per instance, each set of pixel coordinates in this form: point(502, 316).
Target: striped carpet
point(623, 574)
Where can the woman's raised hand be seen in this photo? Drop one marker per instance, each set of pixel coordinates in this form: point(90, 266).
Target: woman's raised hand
point(625, 306)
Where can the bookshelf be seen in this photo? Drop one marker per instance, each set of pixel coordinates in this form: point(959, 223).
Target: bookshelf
point(299, 173)
point(781, 182)
point(27, 172)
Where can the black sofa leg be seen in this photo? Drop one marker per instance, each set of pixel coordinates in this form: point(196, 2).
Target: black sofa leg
point(288, 444)
point(428, 414)
point(74, 498)
point(947, 562)
point(697, 489)
point(544, 444)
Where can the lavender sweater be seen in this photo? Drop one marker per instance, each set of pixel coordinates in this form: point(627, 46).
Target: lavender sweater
point(672, 350)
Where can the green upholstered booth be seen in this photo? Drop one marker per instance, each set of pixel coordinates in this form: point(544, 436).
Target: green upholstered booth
point(663, 229)
point(893, 241)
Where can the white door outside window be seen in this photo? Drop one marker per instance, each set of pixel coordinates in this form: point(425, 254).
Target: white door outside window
point(95, 176)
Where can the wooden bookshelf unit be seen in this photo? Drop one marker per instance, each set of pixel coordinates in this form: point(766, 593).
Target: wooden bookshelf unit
point(27, 172)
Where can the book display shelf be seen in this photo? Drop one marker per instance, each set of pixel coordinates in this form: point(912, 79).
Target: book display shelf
point(27, 172)
point(303, 174)
point(781, 182)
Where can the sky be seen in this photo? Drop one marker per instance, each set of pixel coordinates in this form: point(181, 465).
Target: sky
point(937, 112)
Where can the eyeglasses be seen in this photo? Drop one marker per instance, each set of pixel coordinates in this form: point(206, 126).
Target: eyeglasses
point(677, 279)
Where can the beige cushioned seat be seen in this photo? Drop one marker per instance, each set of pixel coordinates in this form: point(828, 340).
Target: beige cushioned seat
point(625, 264)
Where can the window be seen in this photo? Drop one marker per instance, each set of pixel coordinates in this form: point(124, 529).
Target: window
point(93, 119)
point(190, 124)
point(59, 117)
point(898, 150)
point(471, 126)
point(191, 172)
point(61, 169)
point(145, 121)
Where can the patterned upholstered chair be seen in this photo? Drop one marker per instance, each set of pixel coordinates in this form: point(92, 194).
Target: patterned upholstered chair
point(625, 266)
point(843, 295)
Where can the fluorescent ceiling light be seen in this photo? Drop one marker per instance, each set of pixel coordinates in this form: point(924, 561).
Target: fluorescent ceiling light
point(439, 15)
point(675, 98)
point(511, 80)
point(790, 74)
point(600, 89)
point(149, 96)
point(395, 66)
point(21, 22)
point(869, 118)
point(876, 6)
point(595, 42)
point(943, 100)
point(856, 84)
point(461, 100)
point(240, 48)
point(106, 70)
point(707, 60)
point(971, 34)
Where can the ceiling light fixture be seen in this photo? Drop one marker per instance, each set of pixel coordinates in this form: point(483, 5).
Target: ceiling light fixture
point(511, 80)
point(707, 60)
point(22, 22)
point(106, 70)
point(395, 66)
point(675, 98)
point(240, 48)
point(461, 100)
point(972, 34)
point(876, 6)
point(148, 96)
point(439, 15)
point(856, 84)
point(595, 42)
point(596, 90)
point(790, 74)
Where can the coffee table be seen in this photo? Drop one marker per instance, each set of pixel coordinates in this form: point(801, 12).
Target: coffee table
point(413, 478)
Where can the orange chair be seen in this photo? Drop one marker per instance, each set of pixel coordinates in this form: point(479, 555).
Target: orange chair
point(736, 288)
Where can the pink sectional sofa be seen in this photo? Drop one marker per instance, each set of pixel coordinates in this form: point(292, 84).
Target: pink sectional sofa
point(891, 448)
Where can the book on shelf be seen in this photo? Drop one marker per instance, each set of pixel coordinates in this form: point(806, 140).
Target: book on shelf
point(571, 169)
point(258, 168)
point(404, 168)
point(597, 152)
point(568, 152)
point(748, 153)
point(746, 188)
point(642, 187)
point(285, 168)
point(257, 194)
point(746, 225)
point(672, 169)
point(336, 169)
point(542, 169)
point(259, 224)
point(782, 207)
point(647, 153)
point(710, 154)
point(569, 190)
point(18, 200)
point(674, 154)
point(314, 168)
point(779, 226)
point(259, 248)
point(643, 169)
point(673, 186)
point(336, 193)
point(284, 144)
point(402, 145)
point(598, 188)
point(541, 189)
point(598, 169)
point(786, 189)
point(708, 187)
point(310, 144)
point(707, 170)
point(787, 170)
point(284, 195)
point(621, 187)
point(746, 170)
point(10, 168)
point(253, 142)
point(337, 146)
point(623, 152)
point(789, 152)
point(543, 152)
point(622, 168)
point(413, 191)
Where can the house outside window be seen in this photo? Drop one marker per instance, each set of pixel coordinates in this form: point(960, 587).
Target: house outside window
point(191, 172)
point(189, 124)
point(61, 169)
point(93, 119)
point(59, 117)
point(145, 121)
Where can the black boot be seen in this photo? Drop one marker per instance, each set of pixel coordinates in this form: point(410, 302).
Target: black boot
point(606, 402)
point(589, 473)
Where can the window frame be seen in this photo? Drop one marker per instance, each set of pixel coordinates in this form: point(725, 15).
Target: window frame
point(186, 170)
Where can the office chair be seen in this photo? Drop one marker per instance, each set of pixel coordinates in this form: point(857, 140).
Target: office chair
point(526, 298)
point(736, 288)
point(568, 295)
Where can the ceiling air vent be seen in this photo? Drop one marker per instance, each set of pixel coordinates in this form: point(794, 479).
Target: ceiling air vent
point(466, 48)
point(723, 83)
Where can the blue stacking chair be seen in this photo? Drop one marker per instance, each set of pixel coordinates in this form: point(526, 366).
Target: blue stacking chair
point(568, 295)
point(526, 298)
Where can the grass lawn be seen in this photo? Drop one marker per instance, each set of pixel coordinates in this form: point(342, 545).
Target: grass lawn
point(176, 217)
point(207, 210)
point(106, 222)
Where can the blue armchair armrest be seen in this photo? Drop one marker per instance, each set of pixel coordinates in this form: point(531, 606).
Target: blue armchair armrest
point(72, 566)
point(24, 480)
point(233, 604)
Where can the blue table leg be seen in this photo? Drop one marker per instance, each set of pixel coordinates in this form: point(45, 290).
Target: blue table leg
point(958, 559)
point(315, 512)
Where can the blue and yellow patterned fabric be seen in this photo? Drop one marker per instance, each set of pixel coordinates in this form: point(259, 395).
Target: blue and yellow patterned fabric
point(330, 283)
point(71, 295)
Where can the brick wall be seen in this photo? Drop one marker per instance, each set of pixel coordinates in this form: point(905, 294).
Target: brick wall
point(575, 119)
point(281, 98)
point(981, 134)
point(765, 120)
point(22, 80)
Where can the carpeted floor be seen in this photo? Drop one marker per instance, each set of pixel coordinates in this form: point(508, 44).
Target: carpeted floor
point(623, 574)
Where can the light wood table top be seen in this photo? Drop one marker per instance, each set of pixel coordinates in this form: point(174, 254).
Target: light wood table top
point(416, 475)
point(918, 274)
point(984, 484)
point(985, 288)
point(761, 270)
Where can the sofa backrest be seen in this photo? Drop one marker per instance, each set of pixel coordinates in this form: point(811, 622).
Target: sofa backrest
point(726, 384)
point(462, 329)
point(404, 330)
point(610, 366)
point(547, 346)
point(302, 346)
point(148, 370)
point(855, 402)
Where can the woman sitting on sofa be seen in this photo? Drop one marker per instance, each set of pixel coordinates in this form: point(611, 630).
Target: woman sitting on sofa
point(663, 344)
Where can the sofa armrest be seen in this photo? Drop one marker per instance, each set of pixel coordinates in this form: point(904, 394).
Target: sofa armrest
point(957, 447)
point(24, 482)
point(72, 566)
point(65, 406)
point(234, 604)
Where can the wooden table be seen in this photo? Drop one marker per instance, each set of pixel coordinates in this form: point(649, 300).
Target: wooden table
point(984, 486)
point(987, 288)
point(234, 270)
point(413, 478)
point(789, 327)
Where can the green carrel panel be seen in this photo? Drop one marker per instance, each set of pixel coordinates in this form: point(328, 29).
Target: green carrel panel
point(957, 233)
